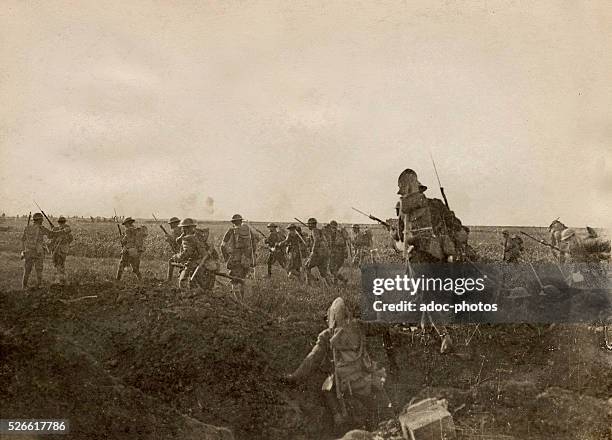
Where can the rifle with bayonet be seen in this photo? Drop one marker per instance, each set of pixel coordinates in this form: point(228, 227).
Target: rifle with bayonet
point(552, 246)
point(169, 238)
point(439, 183)
point(117, 223)
point(256, 229)
point(43, 213)
point(376, 219)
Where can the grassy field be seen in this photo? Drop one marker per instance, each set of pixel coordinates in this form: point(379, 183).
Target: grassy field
point(157, 362)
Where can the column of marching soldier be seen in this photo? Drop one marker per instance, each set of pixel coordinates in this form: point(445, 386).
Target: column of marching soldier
point(197, 260)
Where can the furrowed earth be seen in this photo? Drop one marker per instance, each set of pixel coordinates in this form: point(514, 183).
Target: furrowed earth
point(128, 360)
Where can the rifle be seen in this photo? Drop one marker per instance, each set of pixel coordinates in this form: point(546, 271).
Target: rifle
point(29, 217)
point(264, 235)
point(220, 274)
point(300, 221)
point(371, 217)
point(439, 184)
point(541, 241)
point(43, 213)
point(505, 246)
point(161, 226)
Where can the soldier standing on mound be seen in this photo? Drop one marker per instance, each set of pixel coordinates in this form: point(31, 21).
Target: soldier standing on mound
point(33, 249)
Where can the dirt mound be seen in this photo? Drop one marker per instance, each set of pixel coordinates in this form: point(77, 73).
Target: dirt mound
point(149, 362)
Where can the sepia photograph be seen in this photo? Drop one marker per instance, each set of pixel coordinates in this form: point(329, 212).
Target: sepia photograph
point(305, 220)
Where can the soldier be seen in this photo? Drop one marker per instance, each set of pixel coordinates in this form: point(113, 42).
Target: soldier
point(354, 380)
point(196, 255)
point(427, 225)
point(513, 247)
point(238, 249)
point(272, 243)
point(132, 247)
point(586, 256)
point(294, 246)
point(62, 237)
point(362, 242)
point(318, 251)
point(338, 251)
point(33, 249)
point(427, 228)
point(174, 241)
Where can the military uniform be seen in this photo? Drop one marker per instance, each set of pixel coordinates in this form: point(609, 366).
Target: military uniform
point(586, 256)
point(362, 242)
point(513, 248)
point(354, 380)
point(272, 243)
point(33, 249)
point(318, 250)
point(238, 249)
point(196, 251)
point(295, 250)
point(132, 247)
point(174, 241)
point(60, 245)
point(338, 250)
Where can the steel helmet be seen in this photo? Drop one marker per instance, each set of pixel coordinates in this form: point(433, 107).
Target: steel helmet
point(173, 220)
point(128, 220)
point(236, 217)
point(61, 219)
point(37, 216)
point(272, 225)
point(186, 222)
point(333, 224)
point(312, 221)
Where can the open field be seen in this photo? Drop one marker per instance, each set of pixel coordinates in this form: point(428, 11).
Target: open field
point(129, 360)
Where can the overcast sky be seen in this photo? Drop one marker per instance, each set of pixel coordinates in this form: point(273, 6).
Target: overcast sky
point(277, 109)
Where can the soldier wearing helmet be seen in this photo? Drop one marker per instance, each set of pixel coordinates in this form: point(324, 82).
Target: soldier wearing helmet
point(198, 259)
point(272, 242)
point(132, 247)
point(33, 249)
point(338, 245)
point(354, 381)
point(362, 243)
point(60, 245)
point(513, 247)
point(318, 251)
point(238, 248)
point(294, 245)
point(425, 226)
point(174, 241)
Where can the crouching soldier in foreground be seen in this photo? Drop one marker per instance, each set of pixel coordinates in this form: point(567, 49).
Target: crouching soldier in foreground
point(132, 247)
point(354, 388)
point(198, 260)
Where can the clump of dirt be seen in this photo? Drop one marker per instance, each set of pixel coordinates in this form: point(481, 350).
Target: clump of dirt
point(150, 362)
